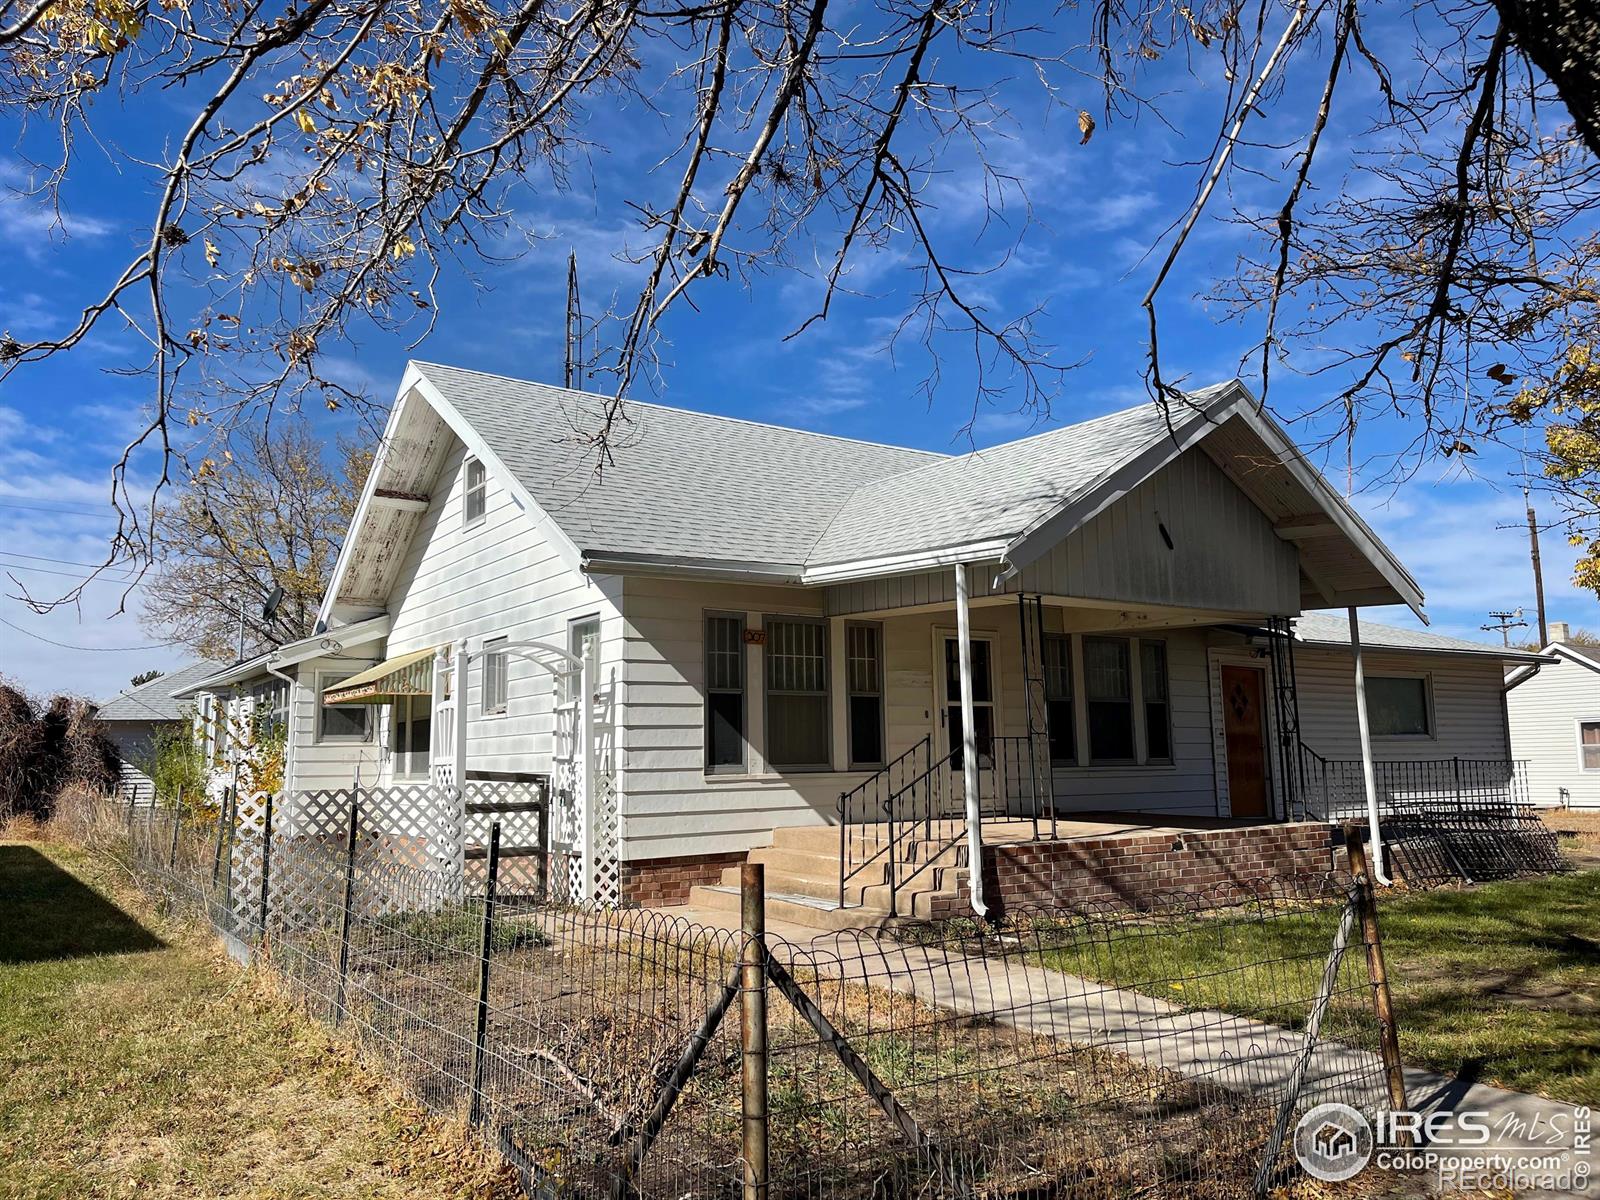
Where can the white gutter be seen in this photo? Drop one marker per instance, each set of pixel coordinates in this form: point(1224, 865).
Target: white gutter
point(1368, 771)
point(969, 749)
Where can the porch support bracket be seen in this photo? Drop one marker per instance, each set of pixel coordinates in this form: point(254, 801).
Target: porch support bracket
point(1368, 771)
point(969, 748)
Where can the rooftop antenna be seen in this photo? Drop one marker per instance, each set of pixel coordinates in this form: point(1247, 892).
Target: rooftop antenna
point(573, 376)
point(1505, 622)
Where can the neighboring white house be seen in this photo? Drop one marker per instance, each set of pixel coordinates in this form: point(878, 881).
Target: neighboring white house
point(1554, 710)
point(132, 719)
point(771, 619)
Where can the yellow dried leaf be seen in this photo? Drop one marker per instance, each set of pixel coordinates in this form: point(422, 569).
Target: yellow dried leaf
point(1085, 126)
point(213, 255)
point(303, 119)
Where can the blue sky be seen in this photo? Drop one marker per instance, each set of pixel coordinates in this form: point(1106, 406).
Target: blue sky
point(1095, 210)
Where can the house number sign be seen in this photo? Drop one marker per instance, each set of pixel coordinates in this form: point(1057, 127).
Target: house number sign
point(755, 637)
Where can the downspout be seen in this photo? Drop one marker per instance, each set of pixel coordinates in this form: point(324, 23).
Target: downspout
point(1368, 771)
point(969, 749)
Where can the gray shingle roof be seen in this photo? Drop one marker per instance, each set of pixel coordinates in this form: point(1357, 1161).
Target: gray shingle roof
point(988, 494)
point(153, 701)
point(683, 484)
point(1330, 629)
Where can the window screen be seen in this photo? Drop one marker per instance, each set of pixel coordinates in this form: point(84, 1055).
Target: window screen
point(797, 694)
point(496, 689)
point(1108, 695)
point(1157, 706)
point(864, 669)
point(1589, 744)
point(725, 740)
point(1398, 705)
point(1058, 699)
point(341, 722)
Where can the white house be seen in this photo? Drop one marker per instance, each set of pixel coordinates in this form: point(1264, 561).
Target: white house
point(133, 717)
point(1554, 710)
point(785, 634)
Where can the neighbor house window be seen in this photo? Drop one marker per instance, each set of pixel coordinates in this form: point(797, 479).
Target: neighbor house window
point(797, 693)
point(476, 501)
point(1059, 714)
point(864, 676)
point(341, 722)
point(1157, 706)
point(725, 706)
point(496, 662)
point(1108, 695)
point(1589, 745)
point(1397, 705)
point(413, 735)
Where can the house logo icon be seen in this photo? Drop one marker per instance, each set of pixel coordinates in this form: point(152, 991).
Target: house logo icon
point(1333, 1142)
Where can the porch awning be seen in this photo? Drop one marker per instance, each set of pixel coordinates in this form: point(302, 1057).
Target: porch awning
point(406, 675)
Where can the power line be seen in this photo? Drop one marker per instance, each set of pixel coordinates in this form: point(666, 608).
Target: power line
point(108, 578)
point(60, 562)
point(97, 649)
point(56, 508)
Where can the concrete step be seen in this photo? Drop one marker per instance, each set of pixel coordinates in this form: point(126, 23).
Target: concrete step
point(809, 911)
point(824, 839)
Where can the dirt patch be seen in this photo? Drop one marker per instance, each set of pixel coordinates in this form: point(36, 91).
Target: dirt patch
point(1578, 834)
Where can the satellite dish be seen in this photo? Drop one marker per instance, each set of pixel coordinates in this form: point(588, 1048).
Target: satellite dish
point(274, 598)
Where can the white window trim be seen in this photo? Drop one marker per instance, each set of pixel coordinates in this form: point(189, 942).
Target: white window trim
point(1427, 701)
point(851, 764)
point(742, 769)
point(328, 679)
point(485, 713)
point(467, 490)
point(1577, 732)
point(829, 690)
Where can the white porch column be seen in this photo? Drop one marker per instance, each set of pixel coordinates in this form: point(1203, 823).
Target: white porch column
point(459, 678)
point(969, 747)
point(1368, 772)
point(584, 753)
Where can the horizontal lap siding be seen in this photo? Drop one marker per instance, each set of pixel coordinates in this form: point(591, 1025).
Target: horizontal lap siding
point(1544, 713)
point(319, 765)
point(673, 808)
point(1188, 786)
point(500, 578)
point(1469, 720)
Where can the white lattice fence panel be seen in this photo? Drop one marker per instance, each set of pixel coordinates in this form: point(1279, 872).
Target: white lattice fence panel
point(246, 855)
point(605, 873)
point(520, 806)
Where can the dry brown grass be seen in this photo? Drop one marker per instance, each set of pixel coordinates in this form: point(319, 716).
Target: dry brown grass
point(1579, 834)
point(165, 1071)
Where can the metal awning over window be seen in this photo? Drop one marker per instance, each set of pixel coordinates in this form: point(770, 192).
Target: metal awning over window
point(391, 680)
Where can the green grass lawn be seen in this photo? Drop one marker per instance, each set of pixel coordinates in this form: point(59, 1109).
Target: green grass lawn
point(1499, 983)
point(138, 1061)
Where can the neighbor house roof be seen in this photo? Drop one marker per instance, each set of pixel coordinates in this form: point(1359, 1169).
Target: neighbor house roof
point(1330, 629)
point(154, 701)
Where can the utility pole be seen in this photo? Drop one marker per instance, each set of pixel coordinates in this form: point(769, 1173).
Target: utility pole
point(241, 628)
point(1505, 622)
point(1538, 569)
point(574, 372)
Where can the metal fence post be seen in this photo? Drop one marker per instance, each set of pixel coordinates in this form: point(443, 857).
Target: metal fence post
point(475, 1111)
point(349, 904)
point(266, 862)
point(177, 823)
point(753, 1028)
point(224, 820)
point(1377, 972)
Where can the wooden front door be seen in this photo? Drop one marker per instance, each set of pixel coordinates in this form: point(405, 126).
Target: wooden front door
point(1244, 731)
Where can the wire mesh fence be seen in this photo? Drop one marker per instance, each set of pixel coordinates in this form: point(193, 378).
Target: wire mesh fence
point(1085, 1053)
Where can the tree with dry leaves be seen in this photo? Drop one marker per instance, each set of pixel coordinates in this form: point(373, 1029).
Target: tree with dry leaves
point(337, 157)
point(271, 515)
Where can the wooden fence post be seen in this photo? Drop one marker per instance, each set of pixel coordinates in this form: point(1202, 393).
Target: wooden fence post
point(475, 1112)
point(177, 824)
point(1377, 971)
point(753, 1028)
point(349, 904)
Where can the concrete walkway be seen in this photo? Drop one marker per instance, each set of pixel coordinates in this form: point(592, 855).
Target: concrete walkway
point(1222, 1049)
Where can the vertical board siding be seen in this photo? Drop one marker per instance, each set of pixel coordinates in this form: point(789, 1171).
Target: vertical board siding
point(1224, 555)
point(500, 577)
point(1544, 712)
point(1468, 716)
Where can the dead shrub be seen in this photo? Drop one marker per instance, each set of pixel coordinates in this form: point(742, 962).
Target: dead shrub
point(45, 748)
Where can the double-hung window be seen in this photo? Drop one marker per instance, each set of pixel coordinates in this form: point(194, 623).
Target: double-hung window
point(798, 719)
point(725, 685)
point(475, 498)
point(1060, 715)
point(864, 672)
point(1108, 696)
point(494, 700)
point(1589, 745)
point(1157, 705)
point(341, 722)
